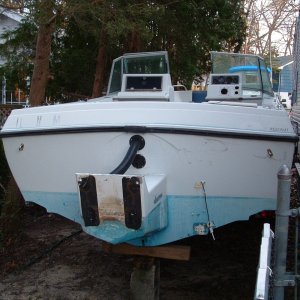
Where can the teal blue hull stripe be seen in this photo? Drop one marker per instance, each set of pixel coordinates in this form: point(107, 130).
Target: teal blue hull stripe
point(183, 213)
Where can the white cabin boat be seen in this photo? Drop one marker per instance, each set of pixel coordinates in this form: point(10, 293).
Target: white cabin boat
point(147, 166)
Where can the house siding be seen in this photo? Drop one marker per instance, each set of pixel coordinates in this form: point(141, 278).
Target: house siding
point(6, 24)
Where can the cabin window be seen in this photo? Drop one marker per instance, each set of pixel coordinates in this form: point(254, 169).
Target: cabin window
point(143, 83)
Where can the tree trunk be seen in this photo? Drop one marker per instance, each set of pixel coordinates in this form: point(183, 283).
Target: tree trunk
point(43, 50)
point(134, 41)
point(100, 67)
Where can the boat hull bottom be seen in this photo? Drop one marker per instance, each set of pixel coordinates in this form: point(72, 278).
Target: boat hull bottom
point(184, 214)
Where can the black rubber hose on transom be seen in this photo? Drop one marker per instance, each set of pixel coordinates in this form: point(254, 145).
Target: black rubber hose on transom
point(136, 144)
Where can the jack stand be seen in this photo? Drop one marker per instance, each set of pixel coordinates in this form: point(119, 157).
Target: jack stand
point(145, 278)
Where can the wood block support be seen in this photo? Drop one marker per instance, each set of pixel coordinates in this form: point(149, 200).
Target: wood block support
point(145, 279)
point(167, 251)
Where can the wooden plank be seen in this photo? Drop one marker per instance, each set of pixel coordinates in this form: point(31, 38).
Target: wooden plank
point(175, 252)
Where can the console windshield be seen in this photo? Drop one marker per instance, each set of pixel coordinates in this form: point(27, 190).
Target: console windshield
point(255, 74)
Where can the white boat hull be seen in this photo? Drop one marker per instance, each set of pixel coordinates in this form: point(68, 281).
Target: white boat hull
point(225, 175)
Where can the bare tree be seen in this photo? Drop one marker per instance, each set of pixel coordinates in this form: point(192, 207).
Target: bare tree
point(270, 26)
point(287, 34)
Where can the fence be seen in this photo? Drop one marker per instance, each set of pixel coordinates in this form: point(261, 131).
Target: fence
point(5, 110)
point(13, 97)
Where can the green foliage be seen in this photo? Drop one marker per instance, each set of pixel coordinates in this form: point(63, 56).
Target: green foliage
point(18, 52)
point(72, 63)
point(188, 30)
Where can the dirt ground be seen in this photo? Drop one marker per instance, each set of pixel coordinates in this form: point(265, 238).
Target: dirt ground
point(55, 260)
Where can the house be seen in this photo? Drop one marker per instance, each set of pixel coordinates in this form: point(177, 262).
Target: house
point(9, 20)
point(283, 79)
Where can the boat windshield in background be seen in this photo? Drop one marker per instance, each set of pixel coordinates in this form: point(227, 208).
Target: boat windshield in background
point(254, 72)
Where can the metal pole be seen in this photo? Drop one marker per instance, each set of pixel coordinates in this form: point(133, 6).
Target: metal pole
point(281, 230)
point(279, 83)
point(270, 50)
point(3, 90)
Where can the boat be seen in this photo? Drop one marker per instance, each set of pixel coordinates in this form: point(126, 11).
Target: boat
point(144, 164)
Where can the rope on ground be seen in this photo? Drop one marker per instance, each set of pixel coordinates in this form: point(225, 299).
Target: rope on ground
point(34, 260)
point(3, 188)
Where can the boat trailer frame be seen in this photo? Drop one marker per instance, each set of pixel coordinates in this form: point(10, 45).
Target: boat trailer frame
point(270, 284)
